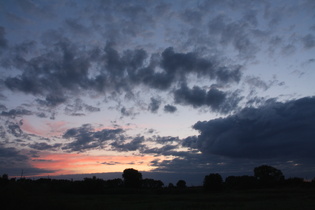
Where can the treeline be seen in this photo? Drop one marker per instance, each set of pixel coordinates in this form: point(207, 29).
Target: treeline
point(132, 181)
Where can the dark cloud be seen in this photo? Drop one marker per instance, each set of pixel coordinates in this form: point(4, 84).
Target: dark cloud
point(3, 107)
point(165, 150)
point(14, 129)
point(85, 138)
point(45, 146)
point(79, 106)
point(90, 108)
point(256, 82)
point(10, 152)
point(12, 162)
point(13, 113)
point(76, 27)
point(198, 97)
point(309, 41)
point(214, 98)
point(234, 33)
point(32, 9)
point(273, 130)
point(178, 65)
point(111, 163)
point(191, 16)
point(52, 100)
point(65, 71)
point(60, 68)
point(41, 115)
point(3, 40)
point(128, 112)
point(3, 132)
point(288, 49)
point(154, 105)
point(135, 144)
point(165, 139)
point(170, 108)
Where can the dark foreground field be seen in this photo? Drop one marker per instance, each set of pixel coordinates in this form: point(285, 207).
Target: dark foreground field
point(250, 199)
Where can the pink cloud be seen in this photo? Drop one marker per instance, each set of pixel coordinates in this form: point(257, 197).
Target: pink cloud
point(45, 129)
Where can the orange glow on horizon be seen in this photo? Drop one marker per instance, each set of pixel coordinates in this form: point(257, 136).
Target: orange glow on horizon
point(64, 164)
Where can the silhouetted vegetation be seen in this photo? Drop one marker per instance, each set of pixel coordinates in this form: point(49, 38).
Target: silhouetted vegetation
point(132, 178)
point(241, 182)
point(213, 182)
point(268, 176)
point(181, 184)
point(265, 177)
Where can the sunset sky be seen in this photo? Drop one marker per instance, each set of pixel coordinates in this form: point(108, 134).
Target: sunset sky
point(177, 87)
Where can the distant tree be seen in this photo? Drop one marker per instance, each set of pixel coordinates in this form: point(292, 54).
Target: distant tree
point(213, 182)
point(93, 185)
point(5, 177)
point(152, 184)
point(295, 182)
point(268, 176)
point(132, 178)
point(170, 185)
point(114, 183)
point(181, 184)
point(241, 182)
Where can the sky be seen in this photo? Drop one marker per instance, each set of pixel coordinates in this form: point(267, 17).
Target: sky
point(171, 88)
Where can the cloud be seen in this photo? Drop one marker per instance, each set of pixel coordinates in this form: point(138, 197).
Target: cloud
point(79, 106)
point(13, 113)
point(256, 82)
point(170, 108)
point(214, 98)
point(165, 139)
point(178, 65)
point(309, 41)
point(67, 71)
point(111, 163)
point(128, 112)
point(34, 9)
point(154, 105)
point(276, 129)
point(76, 27)
point(135, 144)
point(241, 40)
point(85, 138)
point(3, 40)
point(165, 150)
point(14, 129)
point(12, 162)
point(45, 146)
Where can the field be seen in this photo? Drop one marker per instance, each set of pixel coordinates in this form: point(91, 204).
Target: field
point(246, 199)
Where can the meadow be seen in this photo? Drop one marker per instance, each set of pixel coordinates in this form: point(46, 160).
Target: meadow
point(292, 198)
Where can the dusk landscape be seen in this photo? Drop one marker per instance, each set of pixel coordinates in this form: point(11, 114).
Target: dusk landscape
point(176, 90)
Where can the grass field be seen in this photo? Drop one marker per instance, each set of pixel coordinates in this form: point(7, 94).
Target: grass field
point(251, 199)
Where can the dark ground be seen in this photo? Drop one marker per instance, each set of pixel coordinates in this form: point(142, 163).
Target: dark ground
point(293, 198)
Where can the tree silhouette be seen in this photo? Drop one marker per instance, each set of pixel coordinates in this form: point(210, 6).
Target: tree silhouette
point(181, 184)
point(241, 182)
point(132, 178)
point(268, 176)
point(213, 182)
point(152, 184)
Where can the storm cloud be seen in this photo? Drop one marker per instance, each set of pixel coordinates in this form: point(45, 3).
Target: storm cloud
point(276, 129)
